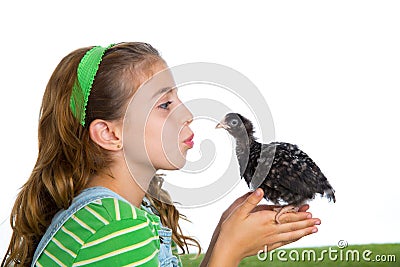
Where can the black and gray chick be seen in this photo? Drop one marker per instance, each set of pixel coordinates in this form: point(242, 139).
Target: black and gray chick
point(285, 173)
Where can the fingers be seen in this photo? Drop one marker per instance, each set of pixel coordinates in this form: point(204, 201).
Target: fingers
point(279, 244)
point(291, 236)
point(294, 226)
point(242, 198)
point(304, 208)
point(234, 206)
point(251, 202)
point(294, 217)
point(265, 207)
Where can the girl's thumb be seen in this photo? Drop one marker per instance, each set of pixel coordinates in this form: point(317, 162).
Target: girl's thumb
point(252, 201)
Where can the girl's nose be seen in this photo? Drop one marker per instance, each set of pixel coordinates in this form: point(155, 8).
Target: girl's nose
point(189, 121)
point(187, 116)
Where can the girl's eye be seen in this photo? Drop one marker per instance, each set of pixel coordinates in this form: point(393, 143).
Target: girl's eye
point(165, 105)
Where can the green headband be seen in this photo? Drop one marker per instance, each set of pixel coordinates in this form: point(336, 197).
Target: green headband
point(87, 70)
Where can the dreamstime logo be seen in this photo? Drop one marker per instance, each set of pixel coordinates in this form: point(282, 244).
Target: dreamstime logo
point(224, 90)
point(341, 253)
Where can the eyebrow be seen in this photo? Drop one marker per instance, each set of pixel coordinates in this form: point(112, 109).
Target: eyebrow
point(163, 91)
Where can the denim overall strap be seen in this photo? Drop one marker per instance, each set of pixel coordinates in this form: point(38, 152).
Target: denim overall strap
point(166, 257)
point(84, 198)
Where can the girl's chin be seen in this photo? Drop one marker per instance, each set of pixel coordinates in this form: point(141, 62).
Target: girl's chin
point(178, 165)
point(176, 161)
point(174, 165)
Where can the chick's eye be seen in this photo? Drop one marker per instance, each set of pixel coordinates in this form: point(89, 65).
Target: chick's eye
point(165, 105)
point(234, 122)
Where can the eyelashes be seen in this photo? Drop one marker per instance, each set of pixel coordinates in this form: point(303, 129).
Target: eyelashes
point(165, 105)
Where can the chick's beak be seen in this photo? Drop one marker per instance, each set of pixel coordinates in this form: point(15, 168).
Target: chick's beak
point(222, 125)
point(219, 125)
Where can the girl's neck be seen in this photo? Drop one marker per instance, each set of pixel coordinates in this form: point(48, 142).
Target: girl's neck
point(119, 179)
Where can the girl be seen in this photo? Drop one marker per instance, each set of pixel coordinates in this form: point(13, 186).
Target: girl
point(84, 203)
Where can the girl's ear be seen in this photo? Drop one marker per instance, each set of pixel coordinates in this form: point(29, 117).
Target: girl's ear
point(106, 134)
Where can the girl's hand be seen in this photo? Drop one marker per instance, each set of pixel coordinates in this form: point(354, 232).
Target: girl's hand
point(233, 206)
point(243, 198)
point(247, 228)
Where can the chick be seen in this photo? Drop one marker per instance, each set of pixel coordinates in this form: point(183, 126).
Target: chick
point(285, 173)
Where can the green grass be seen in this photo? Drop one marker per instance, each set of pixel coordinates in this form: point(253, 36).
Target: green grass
point(305, 257)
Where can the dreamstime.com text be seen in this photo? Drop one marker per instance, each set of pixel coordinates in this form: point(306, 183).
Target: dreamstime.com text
point(341, 253)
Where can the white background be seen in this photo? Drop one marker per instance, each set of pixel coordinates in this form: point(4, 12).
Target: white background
point(329, 71)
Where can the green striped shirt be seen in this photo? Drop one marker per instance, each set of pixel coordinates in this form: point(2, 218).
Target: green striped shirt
point(106, 232)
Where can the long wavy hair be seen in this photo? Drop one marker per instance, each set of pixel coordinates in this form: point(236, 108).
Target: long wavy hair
point(169, 215)
point(67, 156)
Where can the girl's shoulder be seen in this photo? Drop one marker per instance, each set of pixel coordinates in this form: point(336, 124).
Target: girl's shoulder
point(113, 209)
point(100, 231)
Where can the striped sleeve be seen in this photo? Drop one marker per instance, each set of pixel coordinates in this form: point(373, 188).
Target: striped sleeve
point(108, 232)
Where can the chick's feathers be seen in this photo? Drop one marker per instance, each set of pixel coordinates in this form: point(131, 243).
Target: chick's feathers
point(285, 173)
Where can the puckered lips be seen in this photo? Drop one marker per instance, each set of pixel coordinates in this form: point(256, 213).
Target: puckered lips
point(189, 141)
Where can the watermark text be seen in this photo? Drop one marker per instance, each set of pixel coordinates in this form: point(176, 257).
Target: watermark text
point(339, 253)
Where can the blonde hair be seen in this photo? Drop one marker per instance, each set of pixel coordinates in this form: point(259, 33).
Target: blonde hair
point(67, 156)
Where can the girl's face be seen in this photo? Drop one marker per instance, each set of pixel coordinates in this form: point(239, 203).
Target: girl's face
point(156, 126)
